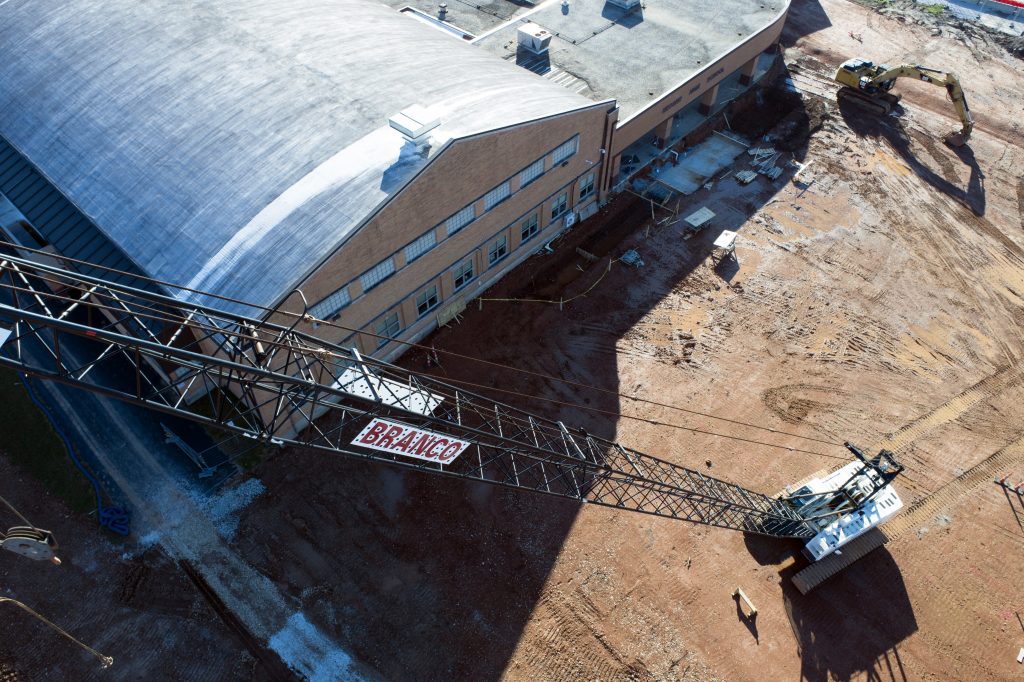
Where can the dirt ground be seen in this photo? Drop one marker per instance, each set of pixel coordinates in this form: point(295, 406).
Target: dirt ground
point(879, 300)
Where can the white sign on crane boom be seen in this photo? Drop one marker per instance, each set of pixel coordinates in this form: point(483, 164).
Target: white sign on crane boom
point(410, 441)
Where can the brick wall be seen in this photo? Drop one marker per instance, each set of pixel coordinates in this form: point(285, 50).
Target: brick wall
point(460, 174)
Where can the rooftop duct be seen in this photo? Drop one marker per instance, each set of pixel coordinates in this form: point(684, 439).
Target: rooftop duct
point(415, 124)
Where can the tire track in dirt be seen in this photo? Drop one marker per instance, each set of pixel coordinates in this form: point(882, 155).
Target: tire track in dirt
point(957, 255)
point(951, 409)
point(921, 511)
point(565, 649)
point(1020, 202)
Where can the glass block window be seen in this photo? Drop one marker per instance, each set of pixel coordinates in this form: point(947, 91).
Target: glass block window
point(463, 273)
point(420, 246)
point(560, 205)
point(460, 219)
point(427, 300)
point(529, 227)
point(531, 172)
point(497, 195)
point(566, 150)
point(332, 305)
point(497, 250)
point(388, 328)
point(587, 186)
point(377, 274)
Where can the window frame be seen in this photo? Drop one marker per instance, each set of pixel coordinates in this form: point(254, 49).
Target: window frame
point(388, 265)
point(587, 185)
point(410, 250)
point(534, 228)
point(383, 329)
point(562, 201)
point(466, 214)
point(491, 251)
point(423, 293)
point(523, 180)
point(460, 272)
point(566, 150)
point(497, 195)
point(333, 311)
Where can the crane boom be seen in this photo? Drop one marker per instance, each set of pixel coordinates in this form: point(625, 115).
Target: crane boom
point(278, 384)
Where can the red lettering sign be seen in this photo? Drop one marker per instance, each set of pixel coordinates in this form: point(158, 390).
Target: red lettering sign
point(410, 441)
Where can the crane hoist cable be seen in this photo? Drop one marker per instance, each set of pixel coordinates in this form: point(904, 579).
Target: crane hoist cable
point(105, 661)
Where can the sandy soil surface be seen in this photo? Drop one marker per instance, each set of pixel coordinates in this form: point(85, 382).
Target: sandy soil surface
point(879, 301)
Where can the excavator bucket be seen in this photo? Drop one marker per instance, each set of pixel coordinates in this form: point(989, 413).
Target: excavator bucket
point(956, 139)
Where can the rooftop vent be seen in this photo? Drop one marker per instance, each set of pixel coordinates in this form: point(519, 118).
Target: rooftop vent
point(415, 124)
point(625, 4)
point(534, 38)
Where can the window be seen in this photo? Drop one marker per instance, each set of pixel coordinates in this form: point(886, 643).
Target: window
point(460, 219)
point(529, 227)
point(497, 250)
point(497, 195)
point(566, 150)
point(587, 186)
point(377, 274)
point(463, 273)
point(531, 172)
point(560, 205)
point(332, 305)
point(420, 246)
point(427, 300)
point(388, 328)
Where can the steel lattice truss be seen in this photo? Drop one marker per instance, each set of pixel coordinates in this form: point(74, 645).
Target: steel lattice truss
point(270, 381)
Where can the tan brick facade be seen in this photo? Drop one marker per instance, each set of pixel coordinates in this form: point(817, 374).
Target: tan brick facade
point(460, 174)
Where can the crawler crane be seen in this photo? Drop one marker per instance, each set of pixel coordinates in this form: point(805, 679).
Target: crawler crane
point(868, 85)
point(185, 353)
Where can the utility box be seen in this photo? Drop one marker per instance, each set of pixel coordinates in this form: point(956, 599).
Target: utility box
point(534, 38)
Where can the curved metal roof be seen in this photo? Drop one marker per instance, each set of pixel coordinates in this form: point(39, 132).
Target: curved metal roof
point(229, 145)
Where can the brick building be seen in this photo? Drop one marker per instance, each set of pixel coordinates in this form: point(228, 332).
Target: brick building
point(388, 163)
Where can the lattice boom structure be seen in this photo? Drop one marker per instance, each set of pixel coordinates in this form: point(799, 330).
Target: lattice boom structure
point(274, 383)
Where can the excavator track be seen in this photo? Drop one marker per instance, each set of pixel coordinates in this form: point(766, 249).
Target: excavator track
point(879, 105)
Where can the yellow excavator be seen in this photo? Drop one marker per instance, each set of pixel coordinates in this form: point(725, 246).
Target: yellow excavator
point(868, 85)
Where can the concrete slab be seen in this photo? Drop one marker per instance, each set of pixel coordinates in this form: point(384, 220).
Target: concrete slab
point(700, 164)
